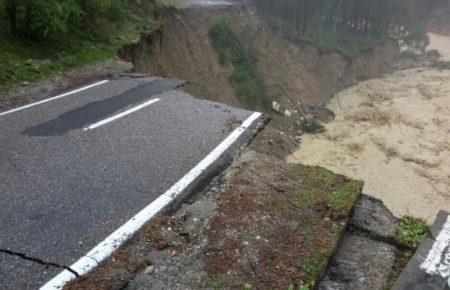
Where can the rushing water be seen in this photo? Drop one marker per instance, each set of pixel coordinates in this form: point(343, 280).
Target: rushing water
point(394, 134)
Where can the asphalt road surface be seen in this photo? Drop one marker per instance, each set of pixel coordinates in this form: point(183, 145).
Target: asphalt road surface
point(76, 168)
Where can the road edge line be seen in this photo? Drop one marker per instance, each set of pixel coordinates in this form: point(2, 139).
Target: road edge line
point(53, 98)
point(104, 249)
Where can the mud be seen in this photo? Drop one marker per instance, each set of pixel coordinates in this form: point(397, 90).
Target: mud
point(393, 133)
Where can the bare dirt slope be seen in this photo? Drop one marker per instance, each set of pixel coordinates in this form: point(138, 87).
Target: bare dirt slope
point(393, 133)
point(184, 50)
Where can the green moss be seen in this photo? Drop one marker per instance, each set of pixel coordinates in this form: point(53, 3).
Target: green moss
point(315, 266)
point(345, 196)
point(322, 184)
point(322, 176)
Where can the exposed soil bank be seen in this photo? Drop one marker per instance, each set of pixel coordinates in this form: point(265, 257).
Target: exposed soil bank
point(184, 50)
point(393, 133)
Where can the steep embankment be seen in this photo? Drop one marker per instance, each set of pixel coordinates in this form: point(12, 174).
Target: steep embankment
point(184, 50)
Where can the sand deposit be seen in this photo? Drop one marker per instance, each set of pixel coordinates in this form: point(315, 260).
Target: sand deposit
point(393, 133)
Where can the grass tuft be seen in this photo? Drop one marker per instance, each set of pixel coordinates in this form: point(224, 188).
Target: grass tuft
point(411, 231)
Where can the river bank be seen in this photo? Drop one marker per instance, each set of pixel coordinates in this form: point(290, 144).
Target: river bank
point(393, 133)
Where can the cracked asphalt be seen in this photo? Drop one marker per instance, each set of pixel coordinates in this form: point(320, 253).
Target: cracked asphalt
point(63, 190)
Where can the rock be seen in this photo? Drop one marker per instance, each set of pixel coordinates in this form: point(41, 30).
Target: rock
point(287, 113)
point(30, 62)
point(149, 270)
point(360, 263)
point(46, 62)
point(373, 216)
point(276, 106)
point(25, 83)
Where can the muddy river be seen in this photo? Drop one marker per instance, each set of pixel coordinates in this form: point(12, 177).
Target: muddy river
point(393, 133)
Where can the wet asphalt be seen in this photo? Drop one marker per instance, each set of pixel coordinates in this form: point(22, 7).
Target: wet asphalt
point(63, 190)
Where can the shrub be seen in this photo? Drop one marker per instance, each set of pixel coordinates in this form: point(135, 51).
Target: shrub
point(46, 17)
point(415, 38)
point(411, 231)
point(433, 54)
point(39, 19)
point(241, 54)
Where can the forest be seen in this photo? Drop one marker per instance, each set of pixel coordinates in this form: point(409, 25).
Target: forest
point(43, 37)
point(40, 19)
point(347, 25)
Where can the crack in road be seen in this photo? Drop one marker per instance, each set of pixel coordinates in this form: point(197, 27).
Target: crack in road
point(39, 261)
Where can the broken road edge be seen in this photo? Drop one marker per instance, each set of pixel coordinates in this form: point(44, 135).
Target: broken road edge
point(173, 197)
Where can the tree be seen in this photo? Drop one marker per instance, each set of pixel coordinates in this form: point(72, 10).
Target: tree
point(46, 17)
point(10, 11)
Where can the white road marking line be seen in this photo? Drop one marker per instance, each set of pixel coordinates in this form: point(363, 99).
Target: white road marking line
point(120, 115)
point(437, 261)
point(54, 98)
point(103, 250)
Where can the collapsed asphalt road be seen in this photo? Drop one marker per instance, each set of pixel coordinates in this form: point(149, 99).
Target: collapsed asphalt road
point(101, 160)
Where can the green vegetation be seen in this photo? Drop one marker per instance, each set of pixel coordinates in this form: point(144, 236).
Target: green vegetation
point(315, 266)
point(347, 26)
point(341, 198)
point(301, 286)
point(415, 38)
point(24, 60)
point(239, 52)
point(433, 54)
point(411, 231)
point(39, 38)
point(327, 41)
point(217, 284)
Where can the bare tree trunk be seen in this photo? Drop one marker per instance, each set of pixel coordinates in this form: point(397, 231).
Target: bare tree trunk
point(10, 6)
point(338, 15)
